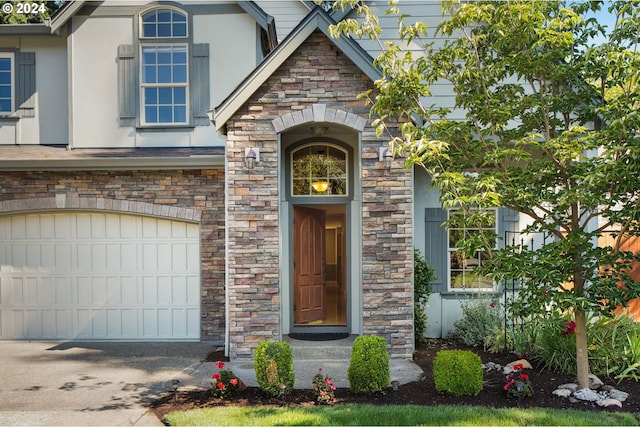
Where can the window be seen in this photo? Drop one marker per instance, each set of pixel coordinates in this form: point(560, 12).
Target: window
point(479, 226)
point(164, 70)
point(319, 170)
point(6, 83)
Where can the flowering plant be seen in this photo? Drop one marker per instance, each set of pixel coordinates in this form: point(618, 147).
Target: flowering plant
point(569, 327)
point(517, 383)
point(323, 388)
point(224, 383)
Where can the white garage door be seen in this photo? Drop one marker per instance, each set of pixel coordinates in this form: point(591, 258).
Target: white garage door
point(97, 276)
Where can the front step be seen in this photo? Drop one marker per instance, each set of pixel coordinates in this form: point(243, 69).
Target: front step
point(335, 350)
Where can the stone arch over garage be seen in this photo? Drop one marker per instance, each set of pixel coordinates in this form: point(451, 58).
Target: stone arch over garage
point(62, 201)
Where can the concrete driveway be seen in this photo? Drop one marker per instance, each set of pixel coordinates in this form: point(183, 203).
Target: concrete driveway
point(75, 383)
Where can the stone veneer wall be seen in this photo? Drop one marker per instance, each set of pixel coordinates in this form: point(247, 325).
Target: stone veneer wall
point(317, 81)
point(182, 195)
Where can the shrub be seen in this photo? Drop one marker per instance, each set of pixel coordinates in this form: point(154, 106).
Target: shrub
point(273, 364)
point(368, 371)
point(423, 275)
point(457, 372)
point(480, 318)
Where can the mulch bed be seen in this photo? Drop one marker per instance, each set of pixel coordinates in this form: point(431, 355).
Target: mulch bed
point(419, 392)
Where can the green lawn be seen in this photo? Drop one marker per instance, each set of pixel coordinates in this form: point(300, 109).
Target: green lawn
point(402, 415)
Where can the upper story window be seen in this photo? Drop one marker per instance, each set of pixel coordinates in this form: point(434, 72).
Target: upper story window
point(461, 266)
point(161, 23)
point(6, 83)
point(319, 170)
point(164, 67)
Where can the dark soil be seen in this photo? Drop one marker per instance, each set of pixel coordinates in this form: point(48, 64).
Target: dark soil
point(419, 392)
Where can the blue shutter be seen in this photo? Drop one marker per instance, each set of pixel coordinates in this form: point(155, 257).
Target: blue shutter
point(25, 83)
point(199, 84)
point(127, 85)
point(436, 246)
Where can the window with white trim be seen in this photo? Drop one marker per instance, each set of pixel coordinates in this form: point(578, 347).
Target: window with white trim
point(164, 84)
point(482, 226)
point(319, 170)
point(7, 86)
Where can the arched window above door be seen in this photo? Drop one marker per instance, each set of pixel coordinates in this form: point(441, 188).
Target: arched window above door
point(319, 170)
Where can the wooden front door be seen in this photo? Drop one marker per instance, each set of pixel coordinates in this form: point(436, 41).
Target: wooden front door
point(309, 264)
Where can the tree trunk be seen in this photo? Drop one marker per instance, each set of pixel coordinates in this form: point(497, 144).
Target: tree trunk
point(582, 352)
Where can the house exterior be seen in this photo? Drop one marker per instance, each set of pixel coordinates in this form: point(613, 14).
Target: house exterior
point(198, 171)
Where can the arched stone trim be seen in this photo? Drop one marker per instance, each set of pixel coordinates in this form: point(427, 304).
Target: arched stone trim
point(319, 113)
point(61, 201)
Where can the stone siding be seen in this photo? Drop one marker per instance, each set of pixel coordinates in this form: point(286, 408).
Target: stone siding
point(196, 196)
point(316, 83)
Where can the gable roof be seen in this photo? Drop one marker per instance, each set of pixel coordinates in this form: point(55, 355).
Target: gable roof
point(317, 19)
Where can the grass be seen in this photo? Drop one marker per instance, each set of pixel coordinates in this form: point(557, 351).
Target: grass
point(370, 415)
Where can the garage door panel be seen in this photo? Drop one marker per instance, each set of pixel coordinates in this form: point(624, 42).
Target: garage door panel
point(135, 282)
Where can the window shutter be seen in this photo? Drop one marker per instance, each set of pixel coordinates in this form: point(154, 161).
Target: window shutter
point(25, 83)
point(436, 246)
point(127, 85)
point(199, 84)
point(508, 225)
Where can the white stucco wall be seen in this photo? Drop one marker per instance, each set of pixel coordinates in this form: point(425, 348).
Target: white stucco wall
point(49, 125)
point(94, 42)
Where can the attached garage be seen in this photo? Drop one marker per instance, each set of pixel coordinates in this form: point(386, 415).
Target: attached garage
point(99, 276)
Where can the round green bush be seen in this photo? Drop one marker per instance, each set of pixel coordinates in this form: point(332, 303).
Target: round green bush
point(368, 371)
point(273, 364)
point(457, 372)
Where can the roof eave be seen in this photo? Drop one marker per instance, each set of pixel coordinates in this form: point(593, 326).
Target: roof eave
point(117, 163)
point(65, 15)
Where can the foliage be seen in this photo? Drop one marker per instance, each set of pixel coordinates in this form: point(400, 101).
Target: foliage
point(481, 317)
point(457, 372)
point(273, 365)
point(323, 388)
point(614, 345)
point(225, 383)
point(517, 383)
point(545, 123)
point(423, 275)
point(368, 371)
point(28, 12)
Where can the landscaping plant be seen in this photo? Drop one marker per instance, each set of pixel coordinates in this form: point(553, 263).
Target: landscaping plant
point(225, 383)
point(423, 275)
point(273, 365)
point(368, 371)
point(481, 317)
point(517, 383)
point(457, 372)
point(323, 388)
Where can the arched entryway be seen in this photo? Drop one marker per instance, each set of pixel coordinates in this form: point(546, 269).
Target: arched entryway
point(320, 227)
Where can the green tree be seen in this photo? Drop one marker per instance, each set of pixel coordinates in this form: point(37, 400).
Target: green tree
point(28, 12)
point(551, 129)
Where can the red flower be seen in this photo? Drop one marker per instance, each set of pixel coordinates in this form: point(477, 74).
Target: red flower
point(220, 386)
point(492, 305)
point(524, 377)
point(216, 376)
point(220, 364)
point(569, 328)
point(233, 381)
point(518, 366)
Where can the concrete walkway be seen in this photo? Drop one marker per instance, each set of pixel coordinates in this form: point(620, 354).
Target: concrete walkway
point(98, 384)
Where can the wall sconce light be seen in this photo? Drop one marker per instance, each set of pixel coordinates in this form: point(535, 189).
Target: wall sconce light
point(385, 155)
point(251, 157)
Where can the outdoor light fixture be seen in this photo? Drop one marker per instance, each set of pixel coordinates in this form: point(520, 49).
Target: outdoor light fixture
point(175, 388)
point(251, 157)
point(320, 186)
point(394, 386)
point(385, 155)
